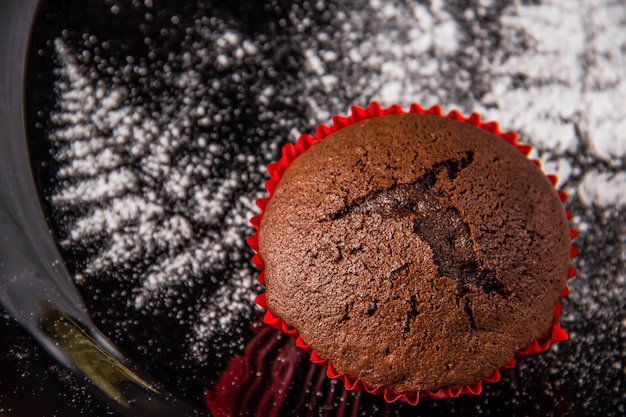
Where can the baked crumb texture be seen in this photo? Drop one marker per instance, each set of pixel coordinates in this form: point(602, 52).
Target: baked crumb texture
point(411, 254)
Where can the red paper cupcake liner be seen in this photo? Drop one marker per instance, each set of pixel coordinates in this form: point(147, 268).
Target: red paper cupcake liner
point(257, 382)
point(304, 142)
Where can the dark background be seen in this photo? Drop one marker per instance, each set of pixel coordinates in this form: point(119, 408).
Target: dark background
point(584, 377)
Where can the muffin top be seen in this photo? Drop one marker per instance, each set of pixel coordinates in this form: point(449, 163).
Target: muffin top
point(414, 251)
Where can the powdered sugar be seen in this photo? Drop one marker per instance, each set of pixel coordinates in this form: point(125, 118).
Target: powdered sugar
point(611, 194)
point(574, 78)
point(119, 168)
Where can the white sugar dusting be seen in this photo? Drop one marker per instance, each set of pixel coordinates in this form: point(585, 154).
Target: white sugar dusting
point(397, 62)
point(117, 159)
point(610, 194)
point(574, 77)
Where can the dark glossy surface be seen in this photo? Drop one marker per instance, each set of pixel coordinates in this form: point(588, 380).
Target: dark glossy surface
point(35, 286)
point(585, 376)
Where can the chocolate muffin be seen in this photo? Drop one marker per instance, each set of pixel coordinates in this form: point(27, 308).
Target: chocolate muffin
point(414, 251)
